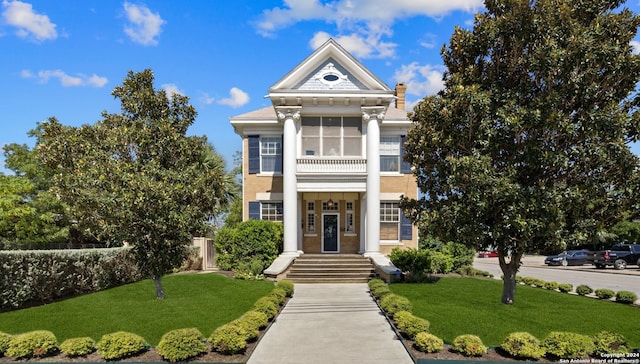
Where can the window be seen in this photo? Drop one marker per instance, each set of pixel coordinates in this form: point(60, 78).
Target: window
point(332, 136)
point(389, 154)
point(389, 220)
point(348, 218)
point(271, 154)
point(271, 211)
point(311, 217)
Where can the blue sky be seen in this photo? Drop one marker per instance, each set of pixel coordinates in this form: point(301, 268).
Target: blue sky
point(63, 58)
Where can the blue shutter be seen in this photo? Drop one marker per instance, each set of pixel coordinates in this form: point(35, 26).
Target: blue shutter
point(254, 154)
point(405, 167)
point(406, 228)
point(279, 162)
point(254, 210)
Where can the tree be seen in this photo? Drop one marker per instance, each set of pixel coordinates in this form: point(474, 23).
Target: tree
point(136, 176)
point(527, 145)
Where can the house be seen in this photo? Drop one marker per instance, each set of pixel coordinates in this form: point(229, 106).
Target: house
point(326, 159)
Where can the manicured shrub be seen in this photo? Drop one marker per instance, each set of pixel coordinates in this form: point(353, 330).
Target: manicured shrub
point(287, 285)
point(120, 345)
point(79, 346)
point(567, 345)
point(529, 281)
point(626, 297)
point(538, 283)
point(393, 303)
point(257, 320)
point(469, 345)
point(583, 290)
point(32, 344)
point(267, 306)
point(519, 279)
point(610, 343)
point(604, 293)
point(409, 324)
point(428, 343)
point(376, 282)
point(522, 345)
point(380, 291)
point(228, 339)
point(5, 339)
point(279, 295)
point(250, 244)
point(246, 328)
point(552, 286)
point(565, 287)
point(181, 344)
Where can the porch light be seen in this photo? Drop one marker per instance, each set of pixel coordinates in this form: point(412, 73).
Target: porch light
point(330, 203)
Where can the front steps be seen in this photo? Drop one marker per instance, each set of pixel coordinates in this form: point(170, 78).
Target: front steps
point(331, 268)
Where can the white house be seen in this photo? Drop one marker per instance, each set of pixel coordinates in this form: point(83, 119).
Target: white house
point(326, 160)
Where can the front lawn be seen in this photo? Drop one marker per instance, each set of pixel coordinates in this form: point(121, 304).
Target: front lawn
point(457, 306)
point(204, 301)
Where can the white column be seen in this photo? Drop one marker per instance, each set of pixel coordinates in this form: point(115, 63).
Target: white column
point(289, 116)
point(372, 116)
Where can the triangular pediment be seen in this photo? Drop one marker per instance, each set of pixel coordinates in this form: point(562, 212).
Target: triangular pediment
point(330, 67)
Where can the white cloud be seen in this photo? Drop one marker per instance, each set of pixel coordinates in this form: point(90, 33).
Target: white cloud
point(206, 99)
point(361, 24)
point(144, 25)
point(65, 79)
point(421, 80)
point(237, 98)
point(29, 23)
point(636, 46)
point(171, 89)
point(361, 47)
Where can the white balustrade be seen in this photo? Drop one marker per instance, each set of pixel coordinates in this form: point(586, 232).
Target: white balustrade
point(332, 166)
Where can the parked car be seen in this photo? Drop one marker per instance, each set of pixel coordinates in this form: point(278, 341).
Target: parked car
point(619, 256)
point(570, 257)
point(488, 254)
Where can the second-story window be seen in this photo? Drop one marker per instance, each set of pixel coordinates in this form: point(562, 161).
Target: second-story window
point(390, 154)
point(332, 136)
point(271, 154)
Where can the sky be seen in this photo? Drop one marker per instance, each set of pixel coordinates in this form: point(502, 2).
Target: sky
point(63, 58)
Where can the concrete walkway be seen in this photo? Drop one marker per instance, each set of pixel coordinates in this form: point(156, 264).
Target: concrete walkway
point(330, 323)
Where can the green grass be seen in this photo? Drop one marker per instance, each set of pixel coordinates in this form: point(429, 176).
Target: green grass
point(457, 306)
point(204, 301)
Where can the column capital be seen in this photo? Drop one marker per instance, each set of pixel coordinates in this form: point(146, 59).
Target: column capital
point(288, 112)
point(373, 111)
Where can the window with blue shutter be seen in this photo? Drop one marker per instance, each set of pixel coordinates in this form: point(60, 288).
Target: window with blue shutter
point(406, 228)
point(254, 153)
point(405, 167)
point(254, 210)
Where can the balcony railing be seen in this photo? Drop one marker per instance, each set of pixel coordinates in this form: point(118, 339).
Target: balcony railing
point(332, 166)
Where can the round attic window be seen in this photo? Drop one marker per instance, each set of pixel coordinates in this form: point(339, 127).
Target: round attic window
point(331, 77)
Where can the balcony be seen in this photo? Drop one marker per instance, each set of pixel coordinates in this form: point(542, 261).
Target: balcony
point(327, 166)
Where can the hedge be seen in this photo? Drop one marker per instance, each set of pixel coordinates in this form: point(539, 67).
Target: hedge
point(39, 276)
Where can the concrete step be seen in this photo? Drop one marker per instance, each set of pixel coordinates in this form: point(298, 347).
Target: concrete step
point(328, 280)
point(331, 268)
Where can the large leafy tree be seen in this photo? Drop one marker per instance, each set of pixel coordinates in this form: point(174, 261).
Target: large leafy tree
point(136, 176)
point(527, 145)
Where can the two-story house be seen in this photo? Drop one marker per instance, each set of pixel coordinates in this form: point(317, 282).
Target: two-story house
point(326, 159)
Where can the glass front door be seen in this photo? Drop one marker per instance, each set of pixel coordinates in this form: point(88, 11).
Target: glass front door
point(330, 233)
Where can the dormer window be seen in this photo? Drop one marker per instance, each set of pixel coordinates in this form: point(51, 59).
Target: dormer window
point(331, 76)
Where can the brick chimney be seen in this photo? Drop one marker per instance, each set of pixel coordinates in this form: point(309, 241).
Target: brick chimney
point(401, 88)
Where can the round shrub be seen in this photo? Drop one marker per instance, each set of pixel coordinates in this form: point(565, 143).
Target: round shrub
point(227, 339)
point(610, 343)
point(583, 290)
point(518, 279)
point(626, 297)
point(393, 303)
point(267, 306)
point(522, 345)
point(410, 325)
point(551, 285)
point(565, 287)
point(32, 344)
point(604, 293)
point(380, 291)
point(246, 328)
point(181, 344)
point(469, 345)
point(428, 343)
point(529, 281)
point(287, 285)
point(539, 283)
point(120, 345)
point(568, 345)
point(78, 346)
point(376, 282)
point(5, 339)
point(255, 319)
point(279, 295)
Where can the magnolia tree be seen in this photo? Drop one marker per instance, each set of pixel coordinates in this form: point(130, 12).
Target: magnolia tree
point(136, 176)
point(527, 146)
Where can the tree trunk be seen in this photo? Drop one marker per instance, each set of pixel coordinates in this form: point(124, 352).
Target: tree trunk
point(159, 291)
point(509, 271)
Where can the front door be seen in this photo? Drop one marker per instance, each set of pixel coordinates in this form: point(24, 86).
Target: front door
point(330, 233)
